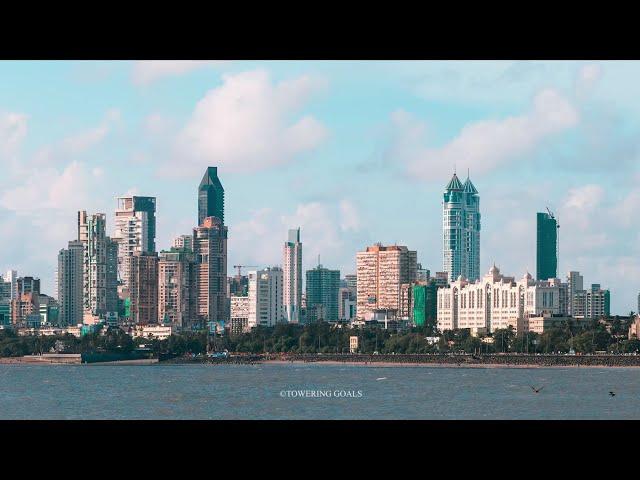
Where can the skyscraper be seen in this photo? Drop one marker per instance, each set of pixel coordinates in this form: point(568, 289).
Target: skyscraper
point(210, 250)
point(70, 283)
point(135, 229)
point(98, 264)
point(547, 246)
point(210, 196)
point(292, 276)
point(380, 273)
point(143, 288)
point(461, 230)
point(323, 286)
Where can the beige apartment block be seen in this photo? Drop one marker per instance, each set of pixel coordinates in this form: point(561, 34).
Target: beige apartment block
point(381, 270)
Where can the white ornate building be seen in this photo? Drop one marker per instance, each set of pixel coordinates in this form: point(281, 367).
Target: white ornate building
point(496, 301)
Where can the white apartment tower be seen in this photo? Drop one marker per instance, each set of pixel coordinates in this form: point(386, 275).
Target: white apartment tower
point(292, 276)
point(12, 278)
point(265, 297)
point(461, 230)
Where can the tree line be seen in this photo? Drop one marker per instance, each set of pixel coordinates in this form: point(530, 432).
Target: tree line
point(322, 337)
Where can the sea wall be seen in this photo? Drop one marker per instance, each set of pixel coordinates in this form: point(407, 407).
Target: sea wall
point(496, 359)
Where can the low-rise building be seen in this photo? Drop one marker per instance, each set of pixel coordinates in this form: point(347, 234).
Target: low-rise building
point(161, 332)
point(497, 302)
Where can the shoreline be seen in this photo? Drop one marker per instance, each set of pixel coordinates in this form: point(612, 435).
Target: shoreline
point(435, 365)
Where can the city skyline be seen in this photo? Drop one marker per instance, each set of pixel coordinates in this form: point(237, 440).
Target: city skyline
point(561, 116)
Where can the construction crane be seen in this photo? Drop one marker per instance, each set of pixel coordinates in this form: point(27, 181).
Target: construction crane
point(240, 267)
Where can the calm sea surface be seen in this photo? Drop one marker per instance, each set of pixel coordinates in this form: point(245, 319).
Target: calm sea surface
point(264, 392)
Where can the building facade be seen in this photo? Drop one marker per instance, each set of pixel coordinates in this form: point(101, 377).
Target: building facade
point(210, 255)
point(381, 270)
point(177, 288)
point(183, 242)
point(98, 264)
point(292, 276)
point(461, 230)
point(239, 314)
point(210, 196)
point(69, 281)
point(546, 246)
point(265, 297)
point(497, 302)
point(135, 230)
point(323, 287)
point(143, 288)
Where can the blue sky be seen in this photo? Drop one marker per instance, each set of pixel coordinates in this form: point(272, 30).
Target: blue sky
point(352, 152)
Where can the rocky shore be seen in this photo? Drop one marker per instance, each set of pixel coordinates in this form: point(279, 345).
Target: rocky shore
point(521, 360)
point(493, 360)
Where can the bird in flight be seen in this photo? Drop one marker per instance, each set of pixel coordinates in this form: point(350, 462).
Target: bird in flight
point(381, 378)
point(536, 390)
point(612, 394)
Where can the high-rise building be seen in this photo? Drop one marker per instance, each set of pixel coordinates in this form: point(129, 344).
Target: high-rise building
point(547, 246)
point(183, 242)
point(575, 284)
point(28, 285)
point(210, 250)
point(70, 284)
point(143, 288)
point(292, 276)
point(95, 264)
point(23, 307)
point(419, 302)
point(177, 287)
point(12, 278)
point(351, 280)
point(265, 297)
point(461, 230)
point(380, 272)
point(323, 286)
point(422, 274)
point(135, 229)
point(210, 196)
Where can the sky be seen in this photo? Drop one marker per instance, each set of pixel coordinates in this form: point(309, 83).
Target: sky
point(351, 152)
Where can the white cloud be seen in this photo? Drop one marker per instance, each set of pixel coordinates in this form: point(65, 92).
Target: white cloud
point(13, 130)
point(584, 198)
point(249, 123)
point(259, 239)
point(349, 216)
point(65, 190)
point(487, 144)
point(588, 76)
point(148, 71)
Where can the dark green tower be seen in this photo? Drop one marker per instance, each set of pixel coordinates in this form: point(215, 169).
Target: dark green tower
point(210, 196)
point(547, 247)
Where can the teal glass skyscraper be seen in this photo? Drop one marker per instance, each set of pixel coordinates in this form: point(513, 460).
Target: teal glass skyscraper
point(323, 286)
point(461, 230)
point(547, 246)
point(210, 196)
